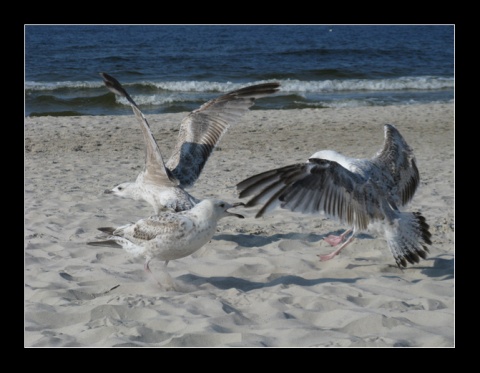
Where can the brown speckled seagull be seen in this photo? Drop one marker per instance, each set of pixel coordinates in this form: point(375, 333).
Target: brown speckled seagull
point(163, 185)
point(364, 193)
point(169, 235)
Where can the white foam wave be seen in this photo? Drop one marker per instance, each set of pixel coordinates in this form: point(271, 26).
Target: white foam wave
point(153, 99)
point(288, 85)
point(414, 83)
point(51, 86)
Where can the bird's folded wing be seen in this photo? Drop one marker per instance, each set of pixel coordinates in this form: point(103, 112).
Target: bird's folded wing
point(173, 225)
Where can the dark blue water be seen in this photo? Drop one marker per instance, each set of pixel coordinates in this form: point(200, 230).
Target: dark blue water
point(177, 68)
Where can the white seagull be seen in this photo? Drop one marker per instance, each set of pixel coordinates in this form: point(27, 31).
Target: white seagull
point(364, 193)
point(163, 185)
point(169, 235)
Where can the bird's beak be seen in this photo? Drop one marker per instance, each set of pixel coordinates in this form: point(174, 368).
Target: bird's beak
point(236, 204)
point(108, 191)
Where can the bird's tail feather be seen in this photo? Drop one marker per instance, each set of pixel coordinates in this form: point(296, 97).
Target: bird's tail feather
point(108, 230)
point(408, 238)
point(119, 242)
point(107, 243)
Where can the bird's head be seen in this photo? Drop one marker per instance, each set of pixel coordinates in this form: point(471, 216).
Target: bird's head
point(121, 190)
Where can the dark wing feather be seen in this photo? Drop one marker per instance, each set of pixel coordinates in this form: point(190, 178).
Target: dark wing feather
point(203, 128)
point(107, 230)
point(397, 157)
point(267, 187)
point(317, 186)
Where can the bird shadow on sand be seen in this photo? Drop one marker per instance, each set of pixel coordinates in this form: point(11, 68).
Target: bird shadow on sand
point(442, 267)
point(229, 282)
point(255, 240)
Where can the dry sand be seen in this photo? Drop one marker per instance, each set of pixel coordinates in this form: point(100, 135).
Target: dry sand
point(259, 281)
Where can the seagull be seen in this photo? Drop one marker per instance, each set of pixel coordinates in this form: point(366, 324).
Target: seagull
point(364, 193)
point(169, 235)
point(163, 185)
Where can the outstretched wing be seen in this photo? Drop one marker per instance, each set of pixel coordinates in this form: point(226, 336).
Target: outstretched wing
point(203, 128)
point(397, 158)
point(317, 186)
point(155, 170)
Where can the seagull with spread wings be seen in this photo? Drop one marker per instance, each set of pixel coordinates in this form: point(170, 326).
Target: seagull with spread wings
point(163, 185)
point(364, 193)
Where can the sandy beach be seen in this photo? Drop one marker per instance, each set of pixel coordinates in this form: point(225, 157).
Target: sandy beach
point(259, 282)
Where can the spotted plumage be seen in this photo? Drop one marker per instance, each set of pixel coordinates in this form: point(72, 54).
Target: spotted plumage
point(169, 235)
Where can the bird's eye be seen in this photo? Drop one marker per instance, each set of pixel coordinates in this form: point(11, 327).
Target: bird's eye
point(222, 205)
point(120, 188)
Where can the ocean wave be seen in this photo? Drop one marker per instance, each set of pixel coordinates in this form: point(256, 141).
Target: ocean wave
point(52, 86)
point(287, 85)
point(92, 98)
point(339, 85)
